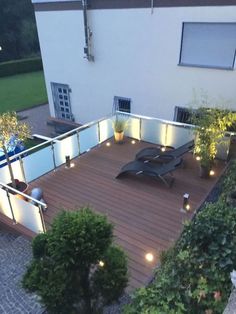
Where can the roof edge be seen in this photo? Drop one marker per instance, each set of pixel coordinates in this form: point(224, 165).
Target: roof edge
point(60, 5)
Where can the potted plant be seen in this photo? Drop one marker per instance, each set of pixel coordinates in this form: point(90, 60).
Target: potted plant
point(119, 126)
point(11, 132)
point(211, 126)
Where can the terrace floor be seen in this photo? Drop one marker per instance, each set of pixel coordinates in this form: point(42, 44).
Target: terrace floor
point(146, 214)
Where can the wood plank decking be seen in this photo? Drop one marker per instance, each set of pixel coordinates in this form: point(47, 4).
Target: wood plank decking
point(146, 214)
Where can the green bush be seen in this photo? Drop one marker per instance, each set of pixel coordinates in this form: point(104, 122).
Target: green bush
point(20, 66)
point(66, 272)
point(194, 276)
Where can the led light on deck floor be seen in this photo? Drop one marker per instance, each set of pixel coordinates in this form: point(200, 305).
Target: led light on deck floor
point(72, 165)
point(149, 257)
point(108, 144)
point(133, 142)
point(212, 172)
point(163, 149)
point(187, 207)
point(101, 263)
point(198, 158)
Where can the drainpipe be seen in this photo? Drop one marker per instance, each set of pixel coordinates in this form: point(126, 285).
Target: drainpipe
point(152, 5)
point(87, 33)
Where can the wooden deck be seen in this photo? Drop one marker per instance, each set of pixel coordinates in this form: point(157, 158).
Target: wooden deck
point(146, 214)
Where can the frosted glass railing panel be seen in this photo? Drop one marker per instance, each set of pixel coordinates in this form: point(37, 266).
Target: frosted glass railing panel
point(133, 128)
point(66, 147)
point(177, 135)
point(106, 130)
point(4, 172)
point(153, 131)
point(38, 163)
point(88, 138)
point(26, 214)
point(223, 149)
point(4, 204)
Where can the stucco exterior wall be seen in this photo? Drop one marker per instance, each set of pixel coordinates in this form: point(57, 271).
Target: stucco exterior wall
point(136, 56)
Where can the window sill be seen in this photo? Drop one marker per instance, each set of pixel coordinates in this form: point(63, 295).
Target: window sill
point(206, 67)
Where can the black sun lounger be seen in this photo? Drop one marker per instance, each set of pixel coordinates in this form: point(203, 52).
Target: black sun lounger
point(156, 154)
point(153, 170)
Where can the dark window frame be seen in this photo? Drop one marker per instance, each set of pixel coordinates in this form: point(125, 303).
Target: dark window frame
point(181, 63)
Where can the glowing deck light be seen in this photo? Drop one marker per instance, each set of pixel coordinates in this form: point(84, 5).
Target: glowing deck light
point(149, 257)
point(187, 207)
point(163, 149)
point(133, 142)
point(212, 172)
point(101, 263)
point(198, 158)
point(108, 144)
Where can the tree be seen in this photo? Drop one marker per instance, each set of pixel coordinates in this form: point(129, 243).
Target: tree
point(11, 132)
point(75, 267)
point(18, 31)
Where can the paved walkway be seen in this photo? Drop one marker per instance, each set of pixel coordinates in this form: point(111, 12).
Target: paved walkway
point(15, 254)
point(37, 117)
point(231, 307)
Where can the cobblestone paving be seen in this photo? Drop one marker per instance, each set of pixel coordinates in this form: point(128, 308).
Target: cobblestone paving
point(231, 307)
point(37, 118)
point(15, 254)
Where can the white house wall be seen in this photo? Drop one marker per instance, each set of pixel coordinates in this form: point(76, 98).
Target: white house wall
point(136, 56)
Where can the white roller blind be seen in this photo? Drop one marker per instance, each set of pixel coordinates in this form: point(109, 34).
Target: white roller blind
point(208, 45)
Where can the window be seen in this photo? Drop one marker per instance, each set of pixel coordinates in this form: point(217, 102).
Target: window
point(122, 104)
point(210, 45)
point(182, 115)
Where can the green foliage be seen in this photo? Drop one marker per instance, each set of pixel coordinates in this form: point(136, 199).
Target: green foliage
point(65, 271)
point(11, 132)
point(20, 66)
point(212, 124)
point(22, 91)
point(114, 272)
point(120, 124)
point(39, 245)
point(194, 274)
point(18, 30)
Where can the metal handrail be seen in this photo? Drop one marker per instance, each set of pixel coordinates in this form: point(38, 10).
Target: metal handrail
point(80, 128)
point(39, 203)
point(175, 123)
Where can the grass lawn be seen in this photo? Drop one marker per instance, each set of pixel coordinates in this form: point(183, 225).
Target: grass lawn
point(22, 91)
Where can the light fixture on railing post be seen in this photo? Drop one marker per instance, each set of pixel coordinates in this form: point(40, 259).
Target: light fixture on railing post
point(68, 165)
point(186, 205)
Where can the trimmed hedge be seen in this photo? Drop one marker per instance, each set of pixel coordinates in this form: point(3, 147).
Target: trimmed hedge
point(20, 66)
point(194, 276)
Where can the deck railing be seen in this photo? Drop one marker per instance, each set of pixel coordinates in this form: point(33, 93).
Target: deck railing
point(38, 160)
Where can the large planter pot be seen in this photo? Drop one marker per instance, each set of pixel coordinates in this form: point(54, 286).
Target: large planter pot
point(204, 172)
point(119, 136)
point(21, 187)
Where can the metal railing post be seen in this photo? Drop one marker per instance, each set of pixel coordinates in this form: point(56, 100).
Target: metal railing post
point(22, 168)
point(78, 141)
point(99, 135)
point(140, 129)
point(42, 218)
point(166, 134)
point(53, 156)
point(12, 212)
